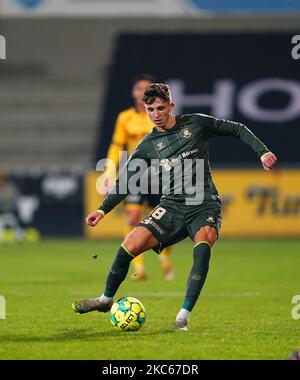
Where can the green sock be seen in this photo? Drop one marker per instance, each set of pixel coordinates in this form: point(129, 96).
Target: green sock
point(117, 272)
point(197, 276)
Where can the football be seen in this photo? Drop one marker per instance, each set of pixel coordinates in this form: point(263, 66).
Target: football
point(128, 314)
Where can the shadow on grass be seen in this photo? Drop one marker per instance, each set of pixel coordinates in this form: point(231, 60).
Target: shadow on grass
point(83, 334)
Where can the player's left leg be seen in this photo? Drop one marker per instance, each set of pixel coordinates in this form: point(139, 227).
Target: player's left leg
point(203, 224)
point(204, 240)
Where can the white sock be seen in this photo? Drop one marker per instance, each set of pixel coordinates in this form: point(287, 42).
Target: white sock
point(183, 314)
point(105, 299)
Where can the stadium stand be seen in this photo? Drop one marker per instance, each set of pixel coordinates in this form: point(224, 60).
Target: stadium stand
point(47, 123)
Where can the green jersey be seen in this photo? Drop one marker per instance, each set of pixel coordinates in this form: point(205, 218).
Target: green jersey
point(182, 158)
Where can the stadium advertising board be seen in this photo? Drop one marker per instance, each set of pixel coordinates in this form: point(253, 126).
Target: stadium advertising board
point(113, 225)
point(255, 204)
point(41, 205)
point(250, 78)
point(247, 6)
point(102, 8)
point(125, 8)
point(259, 204)
point(2, 47)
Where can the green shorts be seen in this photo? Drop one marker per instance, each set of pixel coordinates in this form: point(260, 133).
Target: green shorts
point(170, 222)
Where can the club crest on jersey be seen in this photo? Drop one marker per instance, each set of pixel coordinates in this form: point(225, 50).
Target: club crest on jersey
point(186, 133)
point(160, 145)
point(210, 219)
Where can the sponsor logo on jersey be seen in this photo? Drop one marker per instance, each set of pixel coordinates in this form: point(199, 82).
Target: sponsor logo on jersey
point(210, 219)
point(155, 225)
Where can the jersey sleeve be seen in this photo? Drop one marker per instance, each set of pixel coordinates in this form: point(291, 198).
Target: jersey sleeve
point(135, 166)
point(119, 140)
point(221, 127)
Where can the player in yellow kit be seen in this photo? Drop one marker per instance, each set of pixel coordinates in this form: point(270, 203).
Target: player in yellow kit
point(131, 127)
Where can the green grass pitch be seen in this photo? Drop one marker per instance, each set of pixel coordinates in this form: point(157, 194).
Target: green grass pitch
point(244, 311)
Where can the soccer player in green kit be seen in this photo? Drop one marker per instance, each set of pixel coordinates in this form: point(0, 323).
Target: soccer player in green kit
point(188, 210)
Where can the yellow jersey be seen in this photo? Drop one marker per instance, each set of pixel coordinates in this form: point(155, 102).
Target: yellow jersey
point(131, 127)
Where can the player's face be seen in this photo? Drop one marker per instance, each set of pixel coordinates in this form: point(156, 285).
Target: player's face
point(138, 90)
point(159, 112)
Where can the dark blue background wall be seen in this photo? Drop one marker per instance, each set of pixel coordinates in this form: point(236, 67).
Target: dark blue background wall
point(253, 79)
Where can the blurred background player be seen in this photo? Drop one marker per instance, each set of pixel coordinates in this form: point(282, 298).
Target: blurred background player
point(10, 229)
point(131, 127)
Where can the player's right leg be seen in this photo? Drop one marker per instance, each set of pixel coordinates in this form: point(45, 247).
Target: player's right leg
point(137, 242)
point(204, 240)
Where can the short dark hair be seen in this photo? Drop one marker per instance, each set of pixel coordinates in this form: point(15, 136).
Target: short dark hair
point(157, 90)
point(143, 76)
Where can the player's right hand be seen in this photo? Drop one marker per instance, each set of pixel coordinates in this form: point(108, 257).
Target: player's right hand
point(94, 218)
point(268, 160)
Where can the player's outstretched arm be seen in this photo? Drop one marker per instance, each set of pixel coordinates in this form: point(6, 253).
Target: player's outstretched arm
point(268, 160)
point(94, 218)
